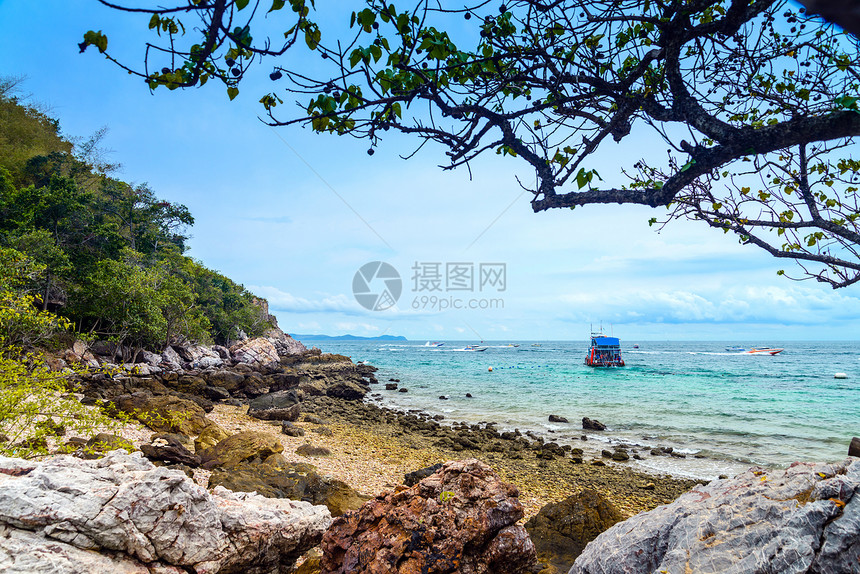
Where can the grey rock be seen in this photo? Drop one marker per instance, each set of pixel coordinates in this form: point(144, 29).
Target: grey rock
point(280, 405)
point(805, 519)
point(854, 447)
point(557, 419)
point(131, 512)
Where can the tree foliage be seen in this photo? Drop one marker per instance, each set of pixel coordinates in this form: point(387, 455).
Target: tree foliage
point(755, 101)
point(79, 247)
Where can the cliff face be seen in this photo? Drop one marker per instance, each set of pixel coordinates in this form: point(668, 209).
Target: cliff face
point(805, 519)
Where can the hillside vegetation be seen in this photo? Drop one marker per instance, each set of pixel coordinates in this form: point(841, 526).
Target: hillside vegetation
point(85, 252)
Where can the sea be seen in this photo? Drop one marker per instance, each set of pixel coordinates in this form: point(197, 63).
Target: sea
point(724, 411)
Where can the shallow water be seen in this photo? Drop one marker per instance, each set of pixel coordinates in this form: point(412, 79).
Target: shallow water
point(731, 410)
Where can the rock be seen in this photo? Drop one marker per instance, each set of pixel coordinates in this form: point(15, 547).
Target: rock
point(416, 476)
point(277, 406)
point(562, 529)
point(325, 431)
point(311, 450)
point(620, 455)
point(102, 443)
point(167, 448)
point(648, 486)
point(256, 352)
point(461, 519)
point(390, 386)
point(209, 437)
point(313, 419)
point(229, 380)
point(802, 519)
point(171, 359)
point(854, 447)
point(402, 390)
point(290, 429)
point(248, 445)
point(557, 419)
point(285, 345)
point(164, 413)
point(346, 389)
point(122, 514)
point(296, 481)
point(589, 424)
point(216, 393)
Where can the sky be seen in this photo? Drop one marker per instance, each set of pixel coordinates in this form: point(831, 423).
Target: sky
point(295, 216)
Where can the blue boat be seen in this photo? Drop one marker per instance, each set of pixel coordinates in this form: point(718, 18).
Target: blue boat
point(604, 351)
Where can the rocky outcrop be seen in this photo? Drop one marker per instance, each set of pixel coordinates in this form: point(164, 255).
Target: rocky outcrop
point(258, 352)
point(461, 519)
point(122, 514)
point(805, 519)
point(854, 447)
point(296, 481)
point(562, 529)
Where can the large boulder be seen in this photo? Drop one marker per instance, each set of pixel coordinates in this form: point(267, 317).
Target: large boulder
point(277, 406)
point(226, 379)
point(805, 519)
point(284, 344)
point(562, 529)
point(297, 481)
point(122, 514)
point(257, 352)
point(164, 413)
point(461, 519)
point(244, 446)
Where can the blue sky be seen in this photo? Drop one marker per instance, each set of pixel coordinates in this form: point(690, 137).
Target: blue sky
point(293, 216)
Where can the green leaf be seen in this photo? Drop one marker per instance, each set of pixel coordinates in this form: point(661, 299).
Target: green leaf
point(240, 4)
point(96, 39)
point(277, 5)
point(688, 165)
point(154, 21)
point(232, 92)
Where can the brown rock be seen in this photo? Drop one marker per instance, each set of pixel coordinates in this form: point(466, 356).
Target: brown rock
point(561, 530)
point(248, 445)
point(209, 437)
point(277, 478)
point(589, 424)
point(257, 352)
point(460, 520)
point(164, 413)
point(167, 448)
point(854, 447)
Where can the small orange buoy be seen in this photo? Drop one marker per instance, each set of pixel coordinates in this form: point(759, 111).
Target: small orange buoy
point(490, 369)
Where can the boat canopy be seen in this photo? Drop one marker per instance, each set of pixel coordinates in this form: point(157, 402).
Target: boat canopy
point(609, 342)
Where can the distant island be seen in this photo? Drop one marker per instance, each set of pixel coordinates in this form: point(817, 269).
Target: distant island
point(347, 338)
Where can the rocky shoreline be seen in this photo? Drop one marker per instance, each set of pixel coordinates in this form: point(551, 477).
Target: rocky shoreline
point(269, 416)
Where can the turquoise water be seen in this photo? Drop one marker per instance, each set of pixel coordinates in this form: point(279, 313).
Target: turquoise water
point(726, 411)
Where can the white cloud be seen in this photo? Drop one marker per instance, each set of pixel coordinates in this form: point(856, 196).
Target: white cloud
point(283, 301)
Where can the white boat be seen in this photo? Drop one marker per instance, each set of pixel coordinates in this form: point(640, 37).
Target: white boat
point(474, 348)
point(767, 351)
point(433, 344)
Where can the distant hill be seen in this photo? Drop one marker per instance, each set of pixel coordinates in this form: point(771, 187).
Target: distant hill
point(347, 338)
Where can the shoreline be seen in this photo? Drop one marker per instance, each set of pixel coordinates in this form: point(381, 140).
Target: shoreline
point(372, 449)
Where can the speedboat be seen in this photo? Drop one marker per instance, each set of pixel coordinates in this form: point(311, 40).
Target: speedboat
point(474, 348)
point(604, 351)
point(766, 351)
point(511, 345)
point(735, 349)
point(433, 344)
